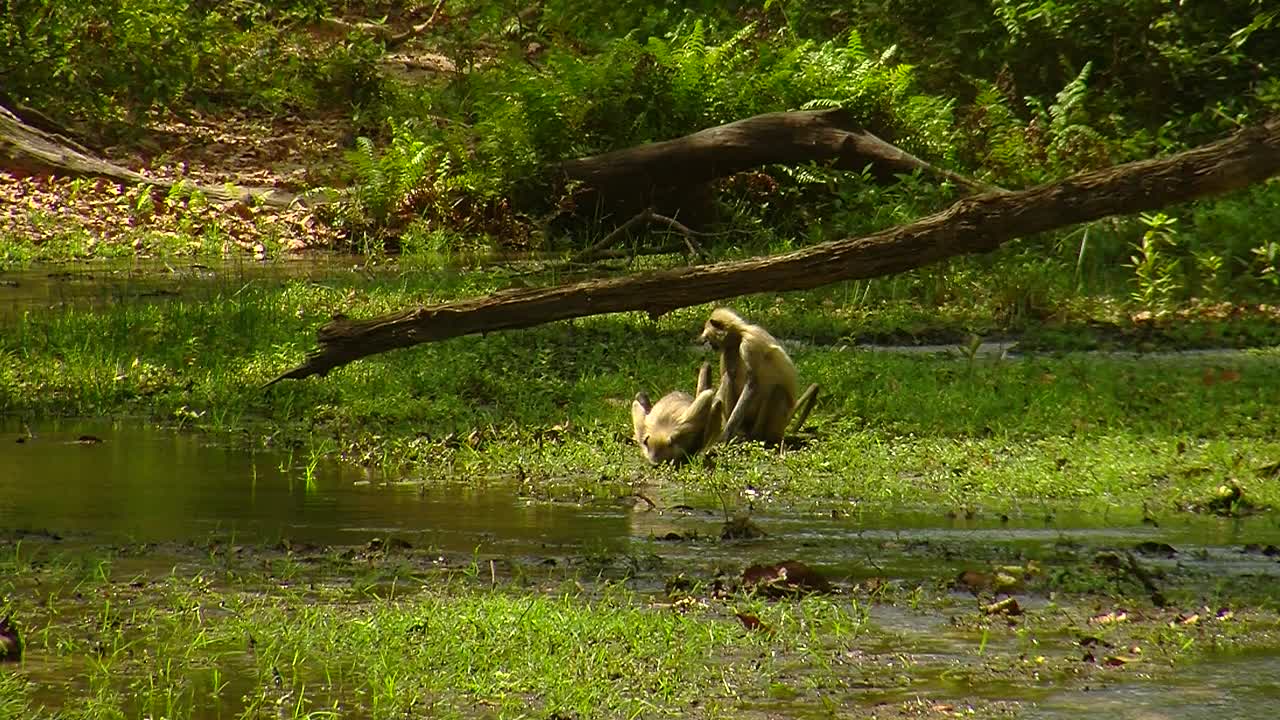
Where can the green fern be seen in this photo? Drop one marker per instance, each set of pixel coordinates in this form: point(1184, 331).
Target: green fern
point(1009, 147)
point(370, 182)
point(633, 90)
point(1069, 108)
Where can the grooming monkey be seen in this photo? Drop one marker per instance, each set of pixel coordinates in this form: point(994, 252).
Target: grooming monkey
point(758, 381)
point(679, 425)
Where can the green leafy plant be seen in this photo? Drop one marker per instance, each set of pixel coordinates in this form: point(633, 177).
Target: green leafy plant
point(1209, 267)
point(1072, 141)
point(1155, 267)
point(385, 182)
point(100, 62)
point(1267, 261)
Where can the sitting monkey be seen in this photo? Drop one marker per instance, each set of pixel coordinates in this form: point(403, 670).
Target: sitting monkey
point(758, 382)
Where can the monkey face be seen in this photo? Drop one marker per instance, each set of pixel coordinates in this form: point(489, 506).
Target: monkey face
point(723, 324)
point(713, 333)
point(658, 450)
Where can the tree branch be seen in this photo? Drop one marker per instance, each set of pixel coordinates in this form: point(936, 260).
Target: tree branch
point(975, 224)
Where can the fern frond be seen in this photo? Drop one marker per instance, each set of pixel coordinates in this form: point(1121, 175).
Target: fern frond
point(731, 50)
point(853, 50)
point(1070, 100)
point(821, 103)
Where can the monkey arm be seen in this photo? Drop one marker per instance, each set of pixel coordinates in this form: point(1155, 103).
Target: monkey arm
point(704, 378)
point(746, 401)
point(715, 419)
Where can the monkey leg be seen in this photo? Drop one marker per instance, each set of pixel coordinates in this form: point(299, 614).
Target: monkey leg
point(803, 407)
point(719, 406)
point(770, 421)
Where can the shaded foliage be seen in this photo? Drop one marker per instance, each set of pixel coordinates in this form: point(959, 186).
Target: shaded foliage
point(96, 61)
point(513, 117)
point(1017, 92)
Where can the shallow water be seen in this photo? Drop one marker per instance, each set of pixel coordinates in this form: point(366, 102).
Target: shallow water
point(102, 282)
point(141, 484)
point(1245, 686)
point(1009, 350)
point(130, 482)
point(125, 482)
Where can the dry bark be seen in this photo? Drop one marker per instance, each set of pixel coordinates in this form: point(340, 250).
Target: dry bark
point(976, 224)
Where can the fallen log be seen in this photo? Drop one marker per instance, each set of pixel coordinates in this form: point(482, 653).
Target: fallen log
point(975, 224)
point(30, 149)
point(665, 174)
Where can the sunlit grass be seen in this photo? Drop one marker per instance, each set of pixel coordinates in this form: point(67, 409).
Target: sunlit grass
point(175, 646)
point(551, 402)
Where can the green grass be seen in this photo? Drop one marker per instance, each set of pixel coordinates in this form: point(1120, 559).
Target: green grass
point(550, 404)
point(443, 645)
point(244, 632)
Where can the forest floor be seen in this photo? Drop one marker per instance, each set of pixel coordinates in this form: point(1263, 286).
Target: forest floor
point(62, 218)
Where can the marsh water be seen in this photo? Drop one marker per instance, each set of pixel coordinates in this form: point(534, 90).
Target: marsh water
point(119, 482)
point(101, 283)
point(125, 482)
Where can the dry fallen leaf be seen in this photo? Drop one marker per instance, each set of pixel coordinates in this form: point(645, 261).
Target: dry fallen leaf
point(1115, 616)
point(1007, 606)
point(784, 578)
point(1118, 660)
point(751, 622)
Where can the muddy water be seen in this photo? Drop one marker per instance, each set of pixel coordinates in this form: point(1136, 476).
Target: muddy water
point(1246, 686)
point(123, 481)
point(98, 283)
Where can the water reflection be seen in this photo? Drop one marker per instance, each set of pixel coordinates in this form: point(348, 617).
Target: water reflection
point(145, 484)
point(99, 283)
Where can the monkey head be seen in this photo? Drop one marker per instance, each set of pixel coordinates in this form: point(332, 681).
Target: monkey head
point(719, 327)
point(674, 429)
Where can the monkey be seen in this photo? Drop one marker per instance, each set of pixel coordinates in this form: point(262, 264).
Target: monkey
point(10, 641)
point(758, 381)
point(679, 425)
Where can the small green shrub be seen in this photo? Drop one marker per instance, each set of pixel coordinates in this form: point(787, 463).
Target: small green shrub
point(1155, 267)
